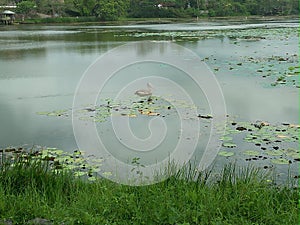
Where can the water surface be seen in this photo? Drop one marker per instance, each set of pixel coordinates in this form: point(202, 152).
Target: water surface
point(41, 66)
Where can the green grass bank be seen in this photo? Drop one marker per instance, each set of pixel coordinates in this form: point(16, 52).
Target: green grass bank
point(29, 190)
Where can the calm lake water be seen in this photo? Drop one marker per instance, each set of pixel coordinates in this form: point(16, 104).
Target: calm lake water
point(41, 66)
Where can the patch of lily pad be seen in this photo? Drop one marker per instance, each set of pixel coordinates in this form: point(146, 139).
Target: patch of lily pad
point(272, 142)
point(277, 70)
point(59, 113)
point(266, 141)
point(236, 35)
point(58, 160)
point(132, 108)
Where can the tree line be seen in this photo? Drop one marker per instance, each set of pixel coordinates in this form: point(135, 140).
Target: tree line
point(115, 9)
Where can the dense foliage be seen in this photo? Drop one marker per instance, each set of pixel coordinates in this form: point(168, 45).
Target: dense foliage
point(112, 10)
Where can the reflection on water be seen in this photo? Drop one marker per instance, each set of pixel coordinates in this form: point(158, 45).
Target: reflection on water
point(40, 67)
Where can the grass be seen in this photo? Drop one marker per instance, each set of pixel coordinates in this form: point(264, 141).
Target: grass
point(28, 190)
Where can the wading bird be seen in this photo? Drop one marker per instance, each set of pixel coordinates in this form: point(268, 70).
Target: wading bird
point(145, 92)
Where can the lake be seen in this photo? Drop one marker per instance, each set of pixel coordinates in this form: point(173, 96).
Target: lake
point(255, 65)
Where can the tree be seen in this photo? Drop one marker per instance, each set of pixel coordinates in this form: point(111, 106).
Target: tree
point(85, 7)
point(52, 7)
point(114, 9)
point(143, 8)
point(25, 8)
point(111, 10)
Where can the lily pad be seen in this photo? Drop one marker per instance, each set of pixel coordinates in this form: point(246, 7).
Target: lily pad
point(57, 151)
point(280, 161)
point(293, 153)
point(229, 131)
point(226, 153)
point(92, 179)
point(55, 113)
point(79, 173)
point(251, 152)
point(229, 145)
point(274, 153)
point(226, 138)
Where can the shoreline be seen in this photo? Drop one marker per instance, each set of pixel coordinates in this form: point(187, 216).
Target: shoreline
point(132, 21)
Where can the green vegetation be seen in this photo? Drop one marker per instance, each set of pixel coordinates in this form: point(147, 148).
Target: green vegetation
point(31, 191)
point(114, 10)
point(25, 7)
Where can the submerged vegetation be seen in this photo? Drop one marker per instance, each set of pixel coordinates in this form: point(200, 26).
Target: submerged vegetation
point(33, 192)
